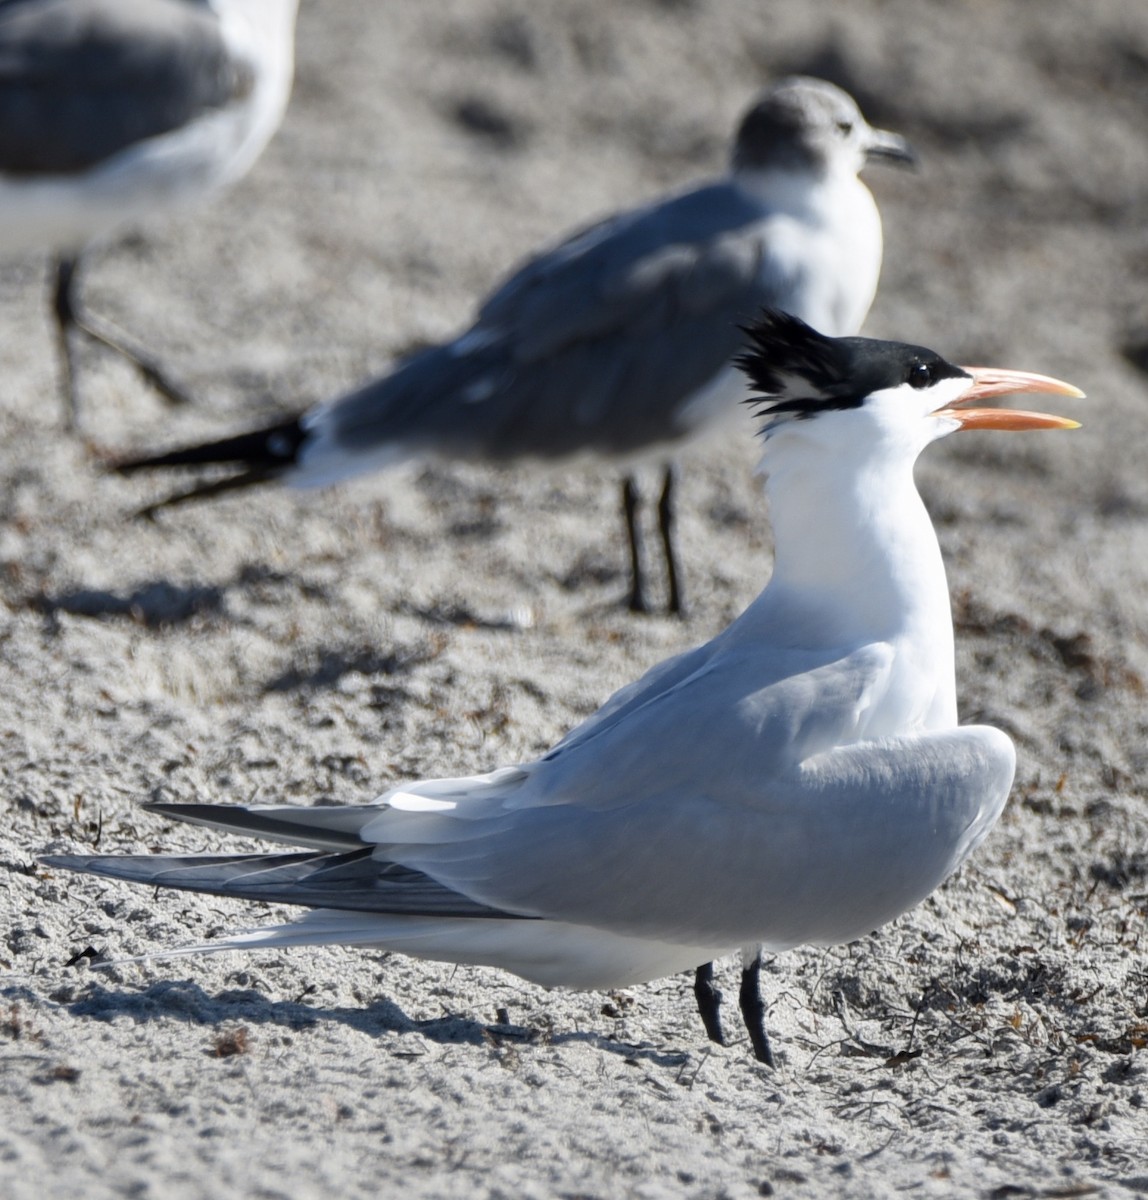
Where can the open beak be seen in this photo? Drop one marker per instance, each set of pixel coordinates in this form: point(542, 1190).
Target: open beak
point(997, 381)
point(884, 146)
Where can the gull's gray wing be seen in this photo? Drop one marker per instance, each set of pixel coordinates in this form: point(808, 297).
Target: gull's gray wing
point(597, 344)
point(83, 79)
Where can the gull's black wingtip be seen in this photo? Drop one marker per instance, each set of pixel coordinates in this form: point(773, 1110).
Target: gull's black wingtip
point(258, 457)
point(204, 491)
point(272, 448)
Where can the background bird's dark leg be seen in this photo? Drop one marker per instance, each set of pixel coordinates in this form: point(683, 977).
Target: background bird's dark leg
point(708, 996)
point(753, 1010)
point(666, 525)
point(64, 307)
point(630, 503)
point(70, 316)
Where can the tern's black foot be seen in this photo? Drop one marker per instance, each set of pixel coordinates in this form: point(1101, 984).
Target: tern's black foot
point(753, 1012)
point(708, 997)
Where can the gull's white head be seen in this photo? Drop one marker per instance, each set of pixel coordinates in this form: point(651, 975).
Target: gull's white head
point(808, 126)
point(870, 400)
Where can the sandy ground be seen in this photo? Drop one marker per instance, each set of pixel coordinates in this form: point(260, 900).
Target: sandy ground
point(323, 646)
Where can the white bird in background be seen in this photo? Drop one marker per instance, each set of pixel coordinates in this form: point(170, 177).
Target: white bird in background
point(114, 110)
point(619, 341)
point(801, 778)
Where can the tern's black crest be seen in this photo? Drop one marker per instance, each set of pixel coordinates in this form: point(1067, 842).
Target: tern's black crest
point(801, 372)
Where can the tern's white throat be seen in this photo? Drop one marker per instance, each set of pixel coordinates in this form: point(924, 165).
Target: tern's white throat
point(856, 558)
point(856, 562)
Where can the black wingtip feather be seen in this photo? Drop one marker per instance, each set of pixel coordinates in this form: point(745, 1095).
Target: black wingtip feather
point(273, 448)
point(202, 491)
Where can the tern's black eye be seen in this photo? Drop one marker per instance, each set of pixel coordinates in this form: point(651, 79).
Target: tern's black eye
point(920, 375)
point(845, 127)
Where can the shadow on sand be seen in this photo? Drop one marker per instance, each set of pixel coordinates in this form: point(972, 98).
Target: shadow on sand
point(187, 1001)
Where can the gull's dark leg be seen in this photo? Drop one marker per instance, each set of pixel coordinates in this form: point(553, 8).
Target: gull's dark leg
point(708, 996)
point(753, 1011)
point(630, 502)
point(666, 525)
point(63, 305)
point(70, 316)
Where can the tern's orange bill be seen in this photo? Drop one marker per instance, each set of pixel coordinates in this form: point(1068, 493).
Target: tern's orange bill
point(999, 381)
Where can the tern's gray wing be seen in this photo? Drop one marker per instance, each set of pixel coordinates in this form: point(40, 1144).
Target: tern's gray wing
point(83, 79)
point(697, 814)
point(822, 853)
point(598, 344)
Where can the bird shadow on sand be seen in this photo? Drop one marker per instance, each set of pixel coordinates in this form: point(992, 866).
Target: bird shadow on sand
point(154, 604)
point(182, 1000)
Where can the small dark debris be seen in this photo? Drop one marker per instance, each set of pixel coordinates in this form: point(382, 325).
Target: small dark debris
point(231, 1042)
point(1075, 650)
point(89, 953)
point(480, 117)
point(618, 1004)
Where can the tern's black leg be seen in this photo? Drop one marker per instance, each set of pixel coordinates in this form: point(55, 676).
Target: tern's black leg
point(708, 996)
point(666, 525)
point(69, 316)
point(753, 1011)
point(630, 503)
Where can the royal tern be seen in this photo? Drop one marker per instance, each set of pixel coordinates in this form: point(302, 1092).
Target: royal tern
point(618, 342)
point(113, 110)
point(801, 778)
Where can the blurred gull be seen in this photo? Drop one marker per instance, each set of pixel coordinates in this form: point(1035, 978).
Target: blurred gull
point(617, 342)
point(799, 779)
point(112, 110)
